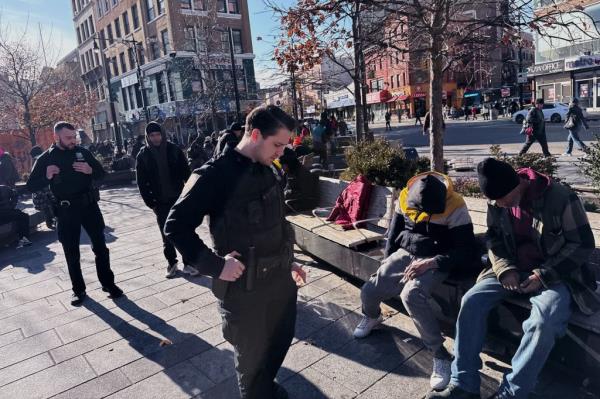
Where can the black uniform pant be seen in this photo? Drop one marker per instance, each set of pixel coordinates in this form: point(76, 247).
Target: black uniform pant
point(531, 139)
point(161, 211)
point(260, 325)
point(70, 221)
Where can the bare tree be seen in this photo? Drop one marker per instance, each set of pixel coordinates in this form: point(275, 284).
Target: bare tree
point(440, 32)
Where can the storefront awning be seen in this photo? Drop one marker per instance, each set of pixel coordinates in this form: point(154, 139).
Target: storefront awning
point(393, 99)
point(403, 98)
point(341, 103)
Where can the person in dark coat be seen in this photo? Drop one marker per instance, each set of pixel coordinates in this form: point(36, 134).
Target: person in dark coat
point(162, 170)
point(9, 175)
point(196, 154)
point(576, 115)
point(137, 146)
point(300, 192)
point(231, 137)
point(9, 214)
point(535, 120)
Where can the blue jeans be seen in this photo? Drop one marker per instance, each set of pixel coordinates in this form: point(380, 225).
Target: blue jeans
point(550, 313)
point(574, 137)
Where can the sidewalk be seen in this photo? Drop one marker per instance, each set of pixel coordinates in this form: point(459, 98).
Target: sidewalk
point(116, 349)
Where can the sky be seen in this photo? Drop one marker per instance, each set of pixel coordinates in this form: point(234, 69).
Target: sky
point(56, 22)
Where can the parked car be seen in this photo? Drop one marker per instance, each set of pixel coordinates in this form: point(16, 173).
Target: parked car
point(553, 112)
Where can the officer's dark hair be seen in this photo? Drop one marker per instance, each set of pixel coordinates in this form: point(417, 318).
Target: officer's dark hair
point(268, 119)
point(63, 125)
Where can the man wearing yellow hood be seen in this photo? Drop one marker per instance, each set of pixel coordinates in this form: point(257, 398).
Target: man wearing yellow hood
point(430, 235)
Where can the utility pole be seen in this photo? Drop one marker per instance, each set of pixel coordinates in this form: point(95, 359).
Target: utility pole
point(113, 113)
point(140, 79)
point(519, 83)
point(234, 77)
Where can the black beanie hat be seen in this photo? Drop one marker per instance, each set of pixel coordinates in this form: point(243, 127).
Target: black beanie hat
point(496, 178)
point(235, 126)
point(152, 127)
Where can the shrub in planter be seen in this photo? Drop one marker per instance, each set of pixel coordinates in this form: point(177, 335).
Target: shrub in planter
point(590, 165)
point(467, 186)
point(380, 162)
point(534, 161)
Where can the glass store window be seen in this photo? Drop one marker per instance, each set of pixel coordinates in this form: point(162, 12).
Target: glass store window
point(585, 92)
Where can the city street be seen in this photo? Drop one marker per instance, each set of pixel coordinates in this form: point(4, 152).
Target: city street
point(474, 138)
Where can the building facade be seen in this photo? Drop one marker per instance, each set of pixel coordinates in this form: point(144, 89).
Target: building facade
point(171, 61)
point(566, 69)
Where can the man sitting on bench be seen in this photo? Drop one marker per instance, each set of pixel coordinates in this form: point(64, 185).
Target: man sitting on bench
point(430, 235)
point(10, 214)
point(539, 240)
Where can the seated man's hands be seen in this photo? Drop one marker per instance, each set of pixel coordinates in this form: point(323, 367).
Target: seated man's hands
point(510, 280)
point(418, 267)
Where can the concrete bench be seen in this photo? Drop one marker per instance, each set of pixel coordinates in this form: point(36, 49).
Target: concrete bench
point(359, 253)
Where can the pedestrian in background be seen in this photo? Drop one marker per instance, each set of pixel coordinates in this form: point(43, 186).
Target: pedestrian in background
point(388, 120)
point(536, 122)
point(575, 122)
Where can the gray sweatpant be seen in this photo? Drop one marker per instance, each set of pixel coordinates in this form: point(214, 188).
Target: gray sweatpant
point(415, 294)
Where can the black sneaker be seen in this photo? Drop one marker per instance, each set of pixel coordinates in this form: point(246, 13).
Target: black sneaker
point(77, 299)
point(452, 392)
point(113, 292)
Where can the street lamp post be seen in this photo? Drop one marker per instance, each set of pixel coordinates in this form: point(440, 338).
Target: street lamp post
point(234, 76)
point(137, 45)
point(113, 114)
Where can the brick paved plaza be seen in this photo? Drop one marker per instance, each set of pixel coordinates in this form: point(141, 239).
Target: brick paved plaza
point(117, 348)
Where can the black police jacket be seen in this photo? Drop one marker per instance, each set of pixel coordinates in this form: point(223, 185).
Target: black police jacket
point(244, 202)
point(68, 184)
point(147, 176)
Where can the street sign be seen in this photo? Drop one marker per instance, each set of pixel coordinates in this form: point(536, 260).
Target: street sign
point(522, 77)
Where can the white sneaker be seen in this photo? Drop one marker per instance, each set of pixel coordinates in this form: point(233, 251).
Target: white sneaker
point(23, 242)
point(171, 270)
point(567, 154)
point(366, 325)
point(192, 271)
point(440, 377)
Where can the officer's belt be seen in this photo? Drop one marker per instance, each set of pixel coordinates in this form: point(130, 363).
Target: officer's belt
point(84, 199)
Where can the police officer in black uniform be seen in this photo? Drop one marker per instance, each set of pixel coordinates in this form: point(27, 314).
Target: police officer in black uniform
point(252, 269)
point(69, 170)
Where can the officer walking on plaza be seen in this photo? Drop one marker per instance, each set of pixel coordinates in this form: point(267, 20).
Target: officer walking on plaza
point(161, 171)
point(70, 170)
point(252, 269)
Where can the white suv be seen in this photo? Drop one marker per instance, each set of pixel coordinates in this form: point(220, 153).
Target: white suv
point(553, 112)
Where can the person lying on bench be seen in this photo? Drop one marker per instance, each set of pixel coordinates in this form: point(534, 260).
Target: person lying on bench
point(430, 235)
point(539, 240)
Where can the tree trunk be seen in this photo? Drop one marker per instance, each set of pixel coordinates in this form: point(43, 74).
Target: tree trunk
point(358, 104)
point(436, 136)
point(29, 124)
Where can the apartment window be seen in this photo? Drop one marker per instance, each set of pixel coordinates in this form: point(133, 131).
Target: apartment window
point(125, 18)
point(110, 34)
point(117, 28)
point(87, 61)
point(131, 57)
point(115, 68)
point(154, 50)
point(105, 6)
point(230, 6)
point(164, 36)
point(135, 17)
point(123, 65)
point(78, 35)
point(189, 43)
point(161, 7)
point(140, 54)
point(398, 80)
point(185, 4)
point(237, 41)
point(91, 21)
point(131, 97)
point(86, 31)
point(125, 102)
point(114, 2)
point(161, 88)
point(199, 5)
point(96, 58)
point(151, 14)
point(225, 41)
point(75, 9)
point(82, 63)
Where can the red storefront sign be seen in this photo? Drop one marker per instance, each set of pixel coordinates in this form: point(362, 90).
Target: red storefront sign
point(378, 97)
point(505, 92)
